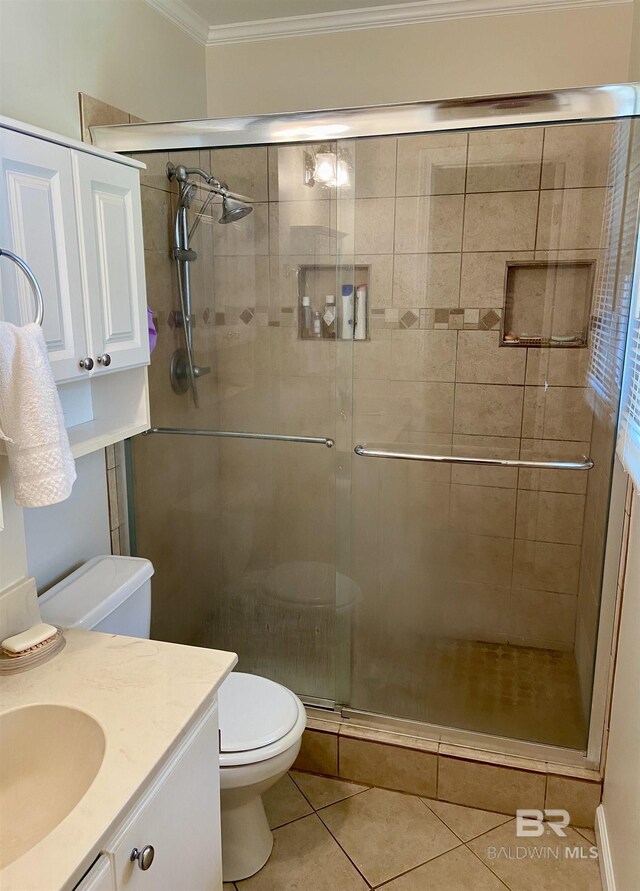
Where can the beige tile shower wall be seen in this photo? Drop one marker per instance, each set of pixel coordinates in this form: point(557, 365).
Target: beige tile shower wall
point(481, 553)
point(176, 490)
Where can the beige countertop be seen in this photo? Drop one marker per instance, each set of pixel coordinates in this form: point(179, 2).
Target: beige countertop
point(144, 694)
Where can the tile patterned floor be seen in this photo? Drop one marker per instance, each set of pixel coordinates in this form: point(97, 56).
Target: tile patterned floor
point(330, 835)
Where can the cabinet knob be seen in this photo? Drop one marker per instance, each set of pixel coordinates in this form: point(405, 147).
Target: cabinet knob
point(144, 857)
point(86, 364)
point(104, 359)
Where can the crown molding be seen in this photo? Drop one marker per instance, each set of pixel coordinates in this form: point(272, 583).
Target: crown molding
point(184, 17)
point(412, 13)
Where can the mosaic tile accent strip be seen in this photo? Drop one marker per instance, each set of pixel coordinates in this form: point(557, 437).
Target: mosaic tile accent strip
point(397, 318)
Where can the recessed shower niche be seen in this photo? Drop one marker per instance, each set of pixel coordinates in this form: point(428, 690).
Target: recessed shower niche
point(349, 286)
point(547, 303)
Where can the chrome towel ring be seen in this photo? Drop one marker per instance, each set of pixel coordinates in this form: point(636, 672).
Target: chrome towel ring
point(33, 281)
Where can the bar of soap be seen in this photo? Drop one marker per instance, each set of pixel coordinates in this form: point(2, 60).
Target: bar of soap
point(32, 637)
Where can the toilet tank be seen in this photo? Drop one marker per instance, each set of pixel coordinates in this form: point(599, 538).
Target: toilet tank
point(110, 594)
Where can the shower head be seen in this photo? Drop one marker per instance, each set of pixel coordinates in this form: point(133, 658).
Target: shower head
point(233, 209)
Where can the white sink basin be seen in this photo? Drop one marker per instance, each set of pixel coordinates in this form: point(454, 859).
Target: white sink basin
point(49, 756)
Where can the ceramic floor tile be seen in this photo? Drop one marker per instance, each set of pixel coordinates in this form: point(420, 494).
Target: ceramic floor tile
point(284, 802)
point(589, 834)
point(305, 858)
point(466, 822)
point(228, 887)
point(457, 870)
point(538, 864)
point(387, 833)
point(322, 791)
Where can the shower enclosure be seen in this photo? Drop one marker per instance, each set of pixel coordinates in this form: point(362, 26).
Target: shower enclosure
point(440, 564)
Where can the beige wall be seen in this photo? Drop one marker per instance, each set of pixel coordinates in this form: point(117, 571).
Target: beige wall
point(126, 54)
point(634, 60)
point(120, 51)
point(621, 802)
point(465, 57)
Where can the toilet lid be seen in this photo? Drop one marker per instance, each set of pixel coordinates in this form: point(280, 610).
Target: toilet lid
point(254, 712)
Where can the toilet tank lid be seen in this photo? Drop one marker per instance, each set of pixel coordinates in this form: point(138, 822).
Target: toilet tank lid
point(93, 591)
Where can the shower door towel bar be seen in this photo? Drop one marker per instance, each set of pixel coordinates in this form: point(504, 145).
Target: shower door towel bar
point(370, 451)
point(231, 434)
point(33, 281)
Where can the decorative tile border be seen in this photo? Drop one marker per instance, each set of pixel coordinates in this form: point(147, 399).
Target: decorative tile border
point(394, 317)
point(445, 318)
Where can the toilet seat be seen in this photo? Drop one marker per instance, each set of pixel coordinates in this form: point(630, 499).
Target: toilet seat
point(259, 719)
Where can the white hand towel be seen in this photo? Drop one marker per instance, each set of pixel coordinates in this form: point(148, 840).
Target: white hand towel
point(31, 419)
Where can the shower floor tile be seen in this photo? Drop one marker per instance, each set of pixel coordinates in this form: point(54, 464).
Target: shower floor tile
point(372, 838)
point(504, 690)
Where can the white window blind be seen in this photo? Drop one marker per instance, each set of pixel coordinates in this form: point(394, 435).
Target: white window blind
point(629, 427)
point(612, 295)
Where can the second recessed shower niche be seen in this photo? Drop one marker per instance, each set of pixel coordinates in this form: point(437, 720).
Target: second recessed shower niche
point(547, 303)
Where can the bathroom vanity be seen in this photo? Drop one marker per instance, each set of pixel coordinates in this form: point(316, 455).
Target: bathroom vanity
point(114, 744)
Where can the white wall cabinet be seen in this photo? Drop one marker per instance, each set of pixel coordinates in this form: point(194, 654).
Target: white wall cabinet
point(179, 817)
point(73, 213)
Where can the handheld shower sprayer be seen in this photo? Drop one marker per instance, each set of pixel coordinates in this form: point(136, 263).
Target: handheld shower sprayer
point(184, 371)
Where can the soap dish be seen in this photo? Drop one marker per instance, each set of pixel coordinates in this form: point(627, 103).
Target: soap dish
point(15, 664)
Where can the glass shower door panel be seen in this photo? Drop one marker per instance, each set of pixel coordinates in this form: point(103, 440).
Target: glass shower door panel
point(480, 585)
point(246, 535)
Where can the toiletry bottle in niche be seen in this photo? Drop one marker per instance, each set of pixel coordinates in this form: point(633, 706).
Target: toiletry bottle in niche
point(361, 313)
point(346, 315)
point(329, 317)
point(317, 325)
point(306, 320)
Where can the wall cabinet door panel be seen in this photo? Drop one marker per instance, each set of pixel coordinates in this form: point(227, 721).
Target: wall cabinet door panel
point(38, 222)
point(113, 262)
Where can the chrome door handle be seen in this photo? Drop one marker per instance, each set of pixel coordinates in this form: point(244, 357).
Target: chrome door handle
point(86, 364)
point(144, 857)
point(104, 360)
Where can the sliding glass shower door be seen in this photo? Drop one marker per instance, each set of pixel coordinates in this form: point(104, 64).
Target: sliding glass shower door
point(484, 407)
point(242, 530)
point(438, 321)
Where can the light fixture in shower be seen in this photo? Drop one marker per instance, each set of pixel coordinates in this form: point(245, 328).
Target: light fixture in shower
point(327, 167)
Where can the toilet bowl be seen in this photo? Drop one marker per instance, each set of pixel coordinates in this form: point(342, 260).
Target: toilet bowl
point(261, 722)
point(261, 727)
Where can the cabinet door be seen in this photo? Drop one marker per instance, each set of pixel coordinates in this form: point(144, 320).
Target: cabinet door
point(180, 818)
point(38, 222)
point(112, 257)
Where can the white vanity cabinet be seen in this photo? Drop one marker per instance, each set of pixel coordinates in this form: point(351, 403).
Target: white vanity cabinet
point(73, 213)
point(178, 817)
point(99, 878)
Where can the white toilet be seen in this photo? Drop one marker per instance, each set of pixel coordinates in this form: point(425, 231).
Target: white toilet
point(261, 722)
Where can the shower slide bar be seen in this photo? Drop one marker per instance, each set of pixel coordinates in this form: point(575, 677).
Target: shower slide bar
point(231, 434)
point(367, 451)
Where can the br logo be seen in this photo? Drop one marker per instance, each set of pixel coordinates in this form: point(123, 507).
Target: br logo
point(531, 823)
